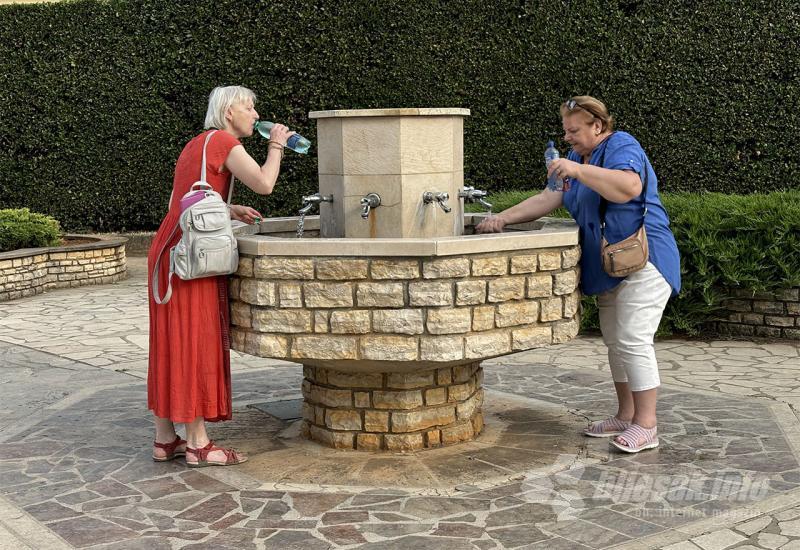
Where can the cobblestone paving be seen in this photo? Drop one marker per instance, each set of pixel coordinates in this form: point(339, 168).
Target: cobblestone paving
point(730, 367)
point(75, 469)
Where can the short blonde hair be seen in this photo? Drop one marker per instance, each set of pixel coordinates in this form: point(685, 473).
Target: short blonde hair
point(595, 108)
point(221, 99)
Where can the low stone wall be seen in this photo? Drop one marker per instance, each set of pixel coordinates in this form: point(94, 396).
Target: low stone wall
point(35, 270)
point(137, 244)
point(764, 314)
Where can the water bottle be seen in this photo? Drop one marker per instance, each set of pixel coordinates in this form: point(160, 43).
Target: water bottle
point(296, 142)
point(553, 181)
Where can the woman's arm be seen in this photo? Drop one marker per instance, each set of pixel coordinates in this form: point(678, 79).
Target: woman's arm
point(613, 185)
point(260, 179)
point(530, 209)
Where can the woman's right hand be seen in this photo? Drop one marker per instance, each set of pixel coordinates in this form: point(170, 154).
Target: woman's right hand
point(492, 224)
point(279, 134)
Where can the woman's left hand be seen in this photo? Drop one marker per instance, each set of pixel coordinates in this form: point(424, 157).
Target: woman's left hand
point(564, 168)
point(244, 214)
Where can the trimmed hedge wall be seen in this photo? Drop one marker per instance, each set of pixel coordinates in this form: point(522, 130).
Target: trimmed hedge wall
point(99, 97)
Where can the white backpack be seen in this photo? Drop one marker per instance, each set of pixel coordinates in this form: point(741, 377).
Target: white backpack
point(207, 247)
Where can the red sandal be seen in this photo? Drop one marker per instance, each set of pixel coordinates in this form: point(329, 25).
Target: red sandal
point(232, 456)
point(171, 449)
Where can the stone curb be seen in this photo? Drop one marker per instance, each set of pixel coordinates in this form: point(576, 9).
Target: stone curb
point(101, 242)
point(138, 242)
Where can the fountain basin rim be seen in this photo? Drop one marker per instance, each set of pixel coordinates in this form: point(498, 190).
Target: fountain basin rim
point(411, 111)
point(544, 233)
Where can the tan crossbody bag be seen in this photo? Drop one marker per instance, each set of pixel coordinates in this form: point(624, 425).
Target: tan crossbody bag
point(631, 253)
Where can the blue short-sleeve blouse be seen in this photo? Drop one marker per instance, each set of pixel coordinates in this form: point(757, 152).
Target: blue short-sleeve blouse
point(622, 152)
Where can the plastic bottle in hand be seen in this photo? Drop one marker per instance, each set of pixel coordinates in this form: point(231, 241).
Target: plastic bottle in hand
point(296, 142)
point(553, 181)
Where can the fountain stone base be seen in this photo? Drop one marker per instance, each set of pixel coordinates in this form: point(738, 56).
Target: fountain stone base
point(393, 411)
point(391, 332)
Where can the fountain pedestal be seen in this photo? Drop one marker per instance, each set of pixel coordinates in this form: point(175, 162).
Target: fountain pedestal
point(391, 332)
point(392, 313)
point(393, 411)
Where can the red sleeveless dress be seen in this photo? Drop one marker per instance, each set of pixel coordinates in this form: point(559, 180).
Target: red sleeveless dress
point(189, 373)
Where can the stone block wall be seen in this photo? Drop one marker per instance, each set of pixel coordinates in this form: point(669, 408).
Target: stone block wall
point(26, 273)
point(764, 314)
point(372, 411)
point(436, 309)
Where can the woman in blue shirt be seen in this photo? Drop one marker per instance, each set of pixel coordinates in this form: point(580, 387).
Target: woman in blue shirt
point(612, 165)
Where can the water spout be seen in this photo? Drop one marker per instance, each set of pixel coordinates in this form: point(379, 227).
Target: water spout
point(475, 195)
point(441, 198)
point(368, 202)
point(308, 203)
point(310, 200)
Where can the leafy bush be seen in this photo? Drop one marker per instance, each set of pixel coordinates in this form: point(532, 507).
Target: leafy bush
point(731, 242)
point(726, 242)
point(99, 96)
point(21, 228)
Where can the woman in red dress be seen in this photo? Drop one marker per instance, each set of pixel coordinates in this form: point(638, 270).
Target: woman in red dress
point(189, 378)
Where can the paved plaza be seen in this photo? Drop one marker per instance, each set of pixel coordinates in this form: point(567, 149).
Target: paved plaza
point(75, 444)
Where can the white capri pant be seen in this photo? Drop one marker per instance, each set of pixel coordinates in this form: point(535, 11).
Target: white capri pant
point(629, 318)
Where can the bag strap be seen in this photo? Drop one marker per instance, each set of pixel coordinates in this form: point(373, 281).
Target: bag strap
point(604, 202)
point(203, 169)
point(203, 183)
point(168, 294)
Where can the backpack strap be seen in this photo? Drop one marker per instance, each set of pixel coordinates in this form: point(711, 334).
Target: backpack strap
point(168, 294)
point(203, 169)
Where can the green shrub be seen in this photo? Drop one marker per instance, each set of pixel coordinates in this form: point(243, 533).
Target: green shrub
point(726, 242)
point(21, 228)
point(99, 96)
point(731, 242)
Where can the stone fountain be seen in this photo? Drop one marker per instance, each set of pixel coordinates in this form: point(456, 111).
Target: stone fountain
point(390, 303)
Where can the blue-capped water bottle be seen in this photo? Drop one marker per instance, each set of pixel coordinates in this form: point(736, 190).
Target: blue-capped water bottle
point(296, 142)
point(553, 181)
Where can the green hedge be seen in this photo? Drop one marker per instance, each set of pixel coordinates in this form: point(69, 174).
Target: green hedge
point(99, 97)
point(21, 228)
point(726, 242)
